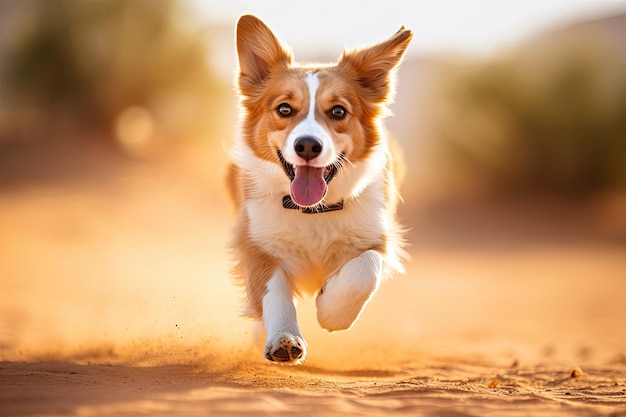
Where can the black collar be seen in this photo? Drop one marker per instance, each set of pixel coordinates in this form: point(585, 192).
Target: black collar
point(288, 203)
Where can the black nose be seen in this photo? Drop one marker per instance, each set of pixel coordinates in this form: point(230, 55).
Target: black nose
point(307, 147)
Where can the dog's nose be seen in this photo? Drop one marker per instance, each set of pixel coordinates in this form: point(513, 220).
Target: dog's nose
point(307, 147)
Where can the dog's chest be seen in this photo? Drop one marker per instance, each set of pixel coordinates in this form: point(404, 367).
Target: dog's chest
point(319, 241)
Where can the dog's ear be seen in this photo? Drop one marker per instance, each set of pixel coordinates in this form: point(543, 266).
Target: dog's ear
point(373, 66)
point(259, 51)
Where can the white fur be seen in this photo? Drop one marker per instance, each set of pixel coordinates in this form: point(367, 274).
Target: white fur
point(279, 317)
point(310, 127)
point(344, 297)
point(298, 243)
point(321, 252)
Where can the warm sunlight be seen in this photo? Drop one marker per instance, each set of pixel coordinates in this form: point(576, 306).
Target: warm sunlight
point(117, 293)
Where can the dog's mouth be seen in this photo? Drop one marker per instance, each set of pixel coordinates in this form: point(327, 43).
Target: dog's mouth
point(309, 184)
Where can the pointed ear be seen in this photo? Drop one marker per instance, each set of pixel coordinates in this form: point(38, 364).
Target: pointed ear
point(259, 51)
point(373, 66)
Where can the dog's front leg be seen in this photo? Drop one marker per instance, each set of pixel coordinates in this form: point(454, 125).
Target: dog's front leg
point(284, 342)
point(344, 296)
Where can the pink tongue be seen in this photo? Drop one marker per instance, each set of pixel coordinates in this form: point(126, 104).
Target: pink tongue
point(308, 187)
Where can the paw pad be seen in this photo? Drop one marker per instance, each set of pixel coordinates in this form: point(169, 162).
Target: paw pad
point(286, 348)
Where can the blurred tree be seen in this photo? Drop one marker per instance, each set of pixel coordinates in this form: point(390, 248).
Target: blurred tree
point(90, 60)
point(548, 118)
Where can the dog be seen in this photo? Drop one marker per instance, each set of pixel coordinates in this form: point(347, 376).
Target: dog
point(314, 177)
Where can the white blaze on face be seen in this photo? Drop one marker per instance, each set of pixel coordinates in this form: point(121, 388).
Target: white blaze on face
point(308, 186)
point(310, 127)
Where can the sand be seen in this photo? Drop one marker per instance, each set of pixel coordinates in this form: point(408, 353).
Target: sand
point(115, 300)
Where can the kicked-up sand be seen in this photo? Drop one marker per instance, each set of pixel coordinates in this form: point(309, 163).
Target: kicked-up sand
point(115, 300)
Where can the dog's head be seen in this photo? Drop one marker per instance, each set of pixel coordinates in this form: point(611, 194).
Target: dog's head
point(312, 119)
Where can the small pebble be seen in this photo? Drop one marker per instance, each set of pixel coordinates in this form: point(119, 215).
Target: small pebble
point(576, 372)
point(494, 384)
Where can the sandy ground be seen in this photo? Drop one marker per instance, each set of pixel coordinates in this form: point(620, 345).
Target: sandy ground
point(115, 300)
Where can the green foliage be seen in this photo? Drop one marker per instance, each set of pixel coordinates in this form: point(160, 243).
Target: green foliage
point(92, 59)
point(548, 118)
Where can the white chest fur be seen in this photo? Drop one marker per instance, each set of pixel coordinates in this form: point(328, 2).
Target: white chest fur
point(312, 247)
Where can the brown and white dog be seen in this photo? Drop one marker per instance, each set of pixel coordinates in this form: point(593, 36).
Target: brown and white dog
point(315, 183)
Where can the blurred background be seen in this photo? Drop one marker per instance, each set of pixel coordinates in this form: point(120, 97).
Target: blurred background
point(115, 117)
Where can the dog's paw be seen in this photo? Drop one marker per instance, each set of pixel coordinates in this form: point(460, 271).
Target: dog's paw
point(286, 349)
point(337, 310)
point(341, 301)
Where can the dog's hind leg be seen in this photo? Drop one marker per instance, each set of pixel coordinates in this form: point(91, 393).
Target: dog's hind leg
point(343, 298)
point(284, 343)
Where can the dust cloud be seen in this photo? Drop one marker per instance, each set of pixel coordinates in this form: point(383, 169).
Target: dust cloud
point(132, 271)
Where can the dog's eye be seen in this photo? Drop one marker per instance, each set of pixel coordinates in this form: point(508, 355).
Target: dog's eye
point(284, 110)
point(338, 112)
